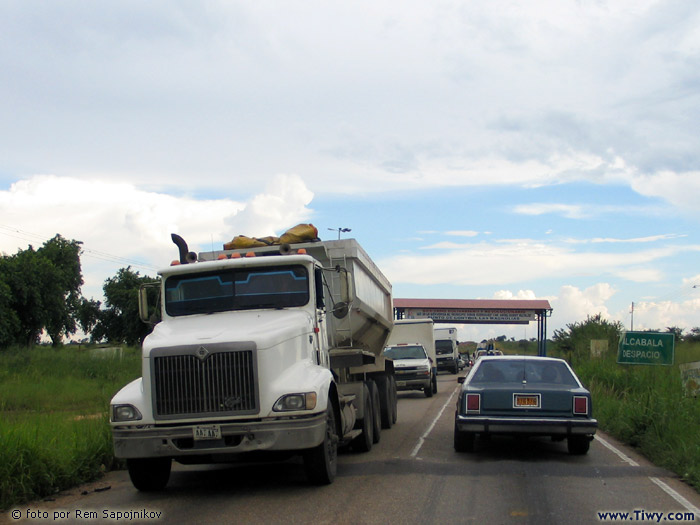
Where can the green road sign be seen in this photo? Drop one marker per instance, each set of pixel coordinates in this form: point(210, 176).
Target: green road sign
point(646, 348)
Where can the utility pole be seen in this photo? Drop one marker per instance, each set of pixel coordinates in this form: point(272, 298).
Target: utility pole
point(632, 318)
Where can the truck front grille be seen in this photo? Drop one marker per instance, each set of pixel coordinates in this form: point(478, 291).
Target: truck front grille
point(222, 383)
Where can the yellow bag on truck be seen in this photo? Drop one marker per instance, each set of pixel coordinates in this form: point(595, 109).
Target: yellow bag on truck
point(243, 242)
point(300, 233)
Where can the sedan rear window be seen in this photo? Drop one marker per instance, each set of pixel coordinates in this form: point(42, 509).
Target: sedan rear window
point(530, 371)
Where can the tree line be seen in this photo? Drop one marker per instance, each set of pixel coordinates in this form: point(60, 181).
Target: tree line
point(40, 292)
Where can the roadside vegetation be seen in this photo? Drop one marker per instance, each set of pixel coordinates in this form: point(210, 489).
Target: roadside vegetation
point(54, 429)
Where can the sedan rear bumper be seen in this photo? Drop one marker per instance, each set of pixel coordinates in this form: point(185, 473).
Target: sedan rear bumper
point(519, 425)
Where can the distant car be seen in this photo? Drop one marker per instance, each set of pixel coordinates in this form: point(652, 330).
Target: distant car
point(461, 362)
point(524, 395)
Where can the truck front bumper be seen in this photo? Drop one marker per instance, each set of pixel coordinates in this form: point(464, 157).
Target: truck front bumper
point(412, 384)
point(236, 438)
point(533, 426)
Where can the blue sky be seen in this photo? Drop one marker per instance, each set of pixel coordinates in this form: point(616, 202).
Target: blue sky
point(546, 149)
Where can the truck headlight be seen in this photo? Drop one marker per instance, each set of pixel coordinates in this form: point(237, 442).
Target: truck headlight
point(125, 413)
point(305, 401)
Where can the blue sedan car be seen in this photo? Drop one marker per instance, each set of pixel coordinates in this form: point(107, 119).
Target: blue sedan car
point(524, 395)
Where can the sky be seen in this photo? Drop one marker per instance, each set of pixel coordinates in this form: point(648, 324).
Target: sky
point(547, 149)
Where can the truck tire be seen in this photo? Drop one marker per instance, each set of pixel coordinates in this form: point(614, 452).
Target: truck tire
point(428, 390)
point(385, 400)
point(434, 383)
point(149, 474)
point(455, 368)
point(394, 400)
point(376, 412)
point(321, 462)
point(363, 442)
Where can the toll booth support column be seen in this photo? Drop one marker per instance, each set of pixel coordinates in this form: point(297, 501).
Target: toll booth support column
point(542, 333)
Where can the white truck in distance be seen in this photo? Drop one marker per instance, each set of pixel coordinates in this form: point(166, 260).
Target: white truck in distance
point(278, 349)
point(412, 348)
point(447, 348)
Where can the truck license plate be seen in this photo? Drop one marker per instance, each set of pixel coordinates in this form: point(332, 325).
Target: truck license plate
point(401, 383)
point(204, 432)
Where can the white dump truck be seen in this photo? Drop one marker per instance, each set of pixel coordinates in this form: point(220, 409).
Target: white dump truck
point(263, 350)
point(412, 348)
point(447, 348)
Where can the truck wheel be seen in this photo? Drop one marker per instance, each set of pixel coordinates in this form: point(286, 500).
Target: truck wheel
point(385, 402)
point(434, 384)
point(376, 412)
point(463, 441)
point(428, 390)
point(363, 442)
point(321, 462)
point(578, 445)
point(149, 474)
point(394, 400)
point(455, 369)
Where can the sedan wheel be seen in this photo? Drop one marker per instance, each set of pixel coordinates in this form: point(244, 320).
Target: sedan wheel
point(578, 445)
point(463, 441)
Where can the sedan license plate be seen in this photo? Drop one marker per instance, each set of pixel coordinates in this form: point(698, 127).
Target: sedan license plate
point(526, 400)
point(207, 432)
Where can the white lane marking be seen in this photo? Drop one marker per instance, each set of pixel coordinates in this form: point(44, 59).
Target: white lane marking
point(622, 455)
point(675, 495)
point(662, 485)
point(421, 440)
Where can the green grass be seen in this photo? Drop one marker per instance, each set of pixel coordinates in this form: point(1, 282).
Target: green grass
point(54, 429)
point(647, 407)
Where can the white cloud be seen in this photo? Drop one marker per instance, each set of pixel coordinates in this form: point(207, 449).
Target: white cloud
point(282, 205)
point(679, 189)
point(521, 261)
point(462, 233)
point(659, 315)
point(571, 211)
point(574, 305)
point(122, 225)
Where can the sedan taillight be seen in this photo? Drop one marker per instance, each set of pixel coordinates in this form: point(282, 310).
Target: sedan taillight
point(473, 403)
point(580, 405)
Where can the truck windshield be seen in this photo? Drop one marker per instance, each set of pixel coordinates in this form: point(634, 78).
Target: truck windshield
point(245, 289)
point(405, 352)
point(443, 346)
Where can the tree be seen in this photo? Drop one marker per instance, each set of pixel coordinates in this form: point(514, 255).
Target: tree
point(677, 332)
point(9, 321)
point(575, 339)
point(119, 321)
point(88, 313)
point(62, 297)
point(40, 289)
point(693, 336)
point(27, 275)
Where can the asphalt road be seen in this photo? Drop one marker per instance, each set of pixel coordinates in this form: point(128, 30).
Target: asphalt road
point(412, 476)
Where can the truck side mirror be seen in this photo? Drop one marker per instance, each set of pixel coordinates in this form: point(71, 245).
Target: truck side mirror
point(318, 278)
point(143, 304)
